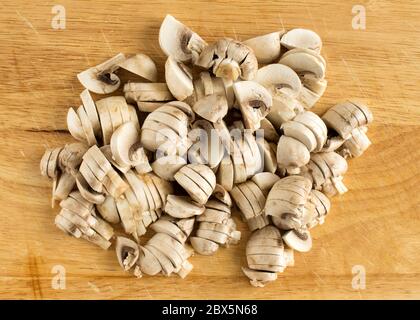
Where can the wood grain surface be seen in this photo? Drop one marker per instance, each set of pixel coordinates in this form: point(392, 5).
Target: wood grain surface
point(375, 225)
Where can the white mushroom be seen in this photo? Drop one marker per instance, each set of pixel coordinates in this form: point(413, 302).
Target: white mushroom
point(141, 65)
point(178, 78)
point(266, 47)
point(101, 78)
point(178, 41)
point(303, 39)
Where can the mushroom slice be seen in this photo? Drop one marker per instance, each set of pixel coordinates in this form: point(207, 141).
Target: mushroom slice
point(166, 265)
point(67, 226)
point(242, 202)
point(221, 194)
point(279, 78)
point(182, 207)
point(304, 61)
point(166, 167)
point(105, 120)
point(212, 107)
point(254, 102)
point(178, 41)
point(141, 65)
point(302, 38)
point(317, 126)
point(127, 252)
point(301, 133)
point(176, 246)
point(74, 125)
point(167, 251)
point(265, 180)
point(86, 125)
point(91, 112)
point(193, 188)
point(212, 235)
point(259, 278)
point(269, 131)
point(108, 210)
point(43, 164)
point(101, 78)
point(269, 156)
point(298, 240)
point(87, 192)
point(291, 154)
point(123, 141)
point(203, 246)
point(164, 187)
point(178, 78)
point(64, 185)
point(213, 215)
point(166, 226)
point(266, 47)
point(258, 222)
point(52, 165)
point(146, 106)
point(71, 157)
point(225, 173)
point(148, 263)
point(151, 92)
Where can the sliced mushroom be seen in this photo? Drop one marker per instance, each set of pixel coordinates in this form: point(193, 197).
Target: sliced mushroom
point(179, 79)
point(265, 180)
point(127, 252)
point(108, 210)
point(298, 240)
point(178, 41)
point(166, 167)
point(303, 39)
point(266, 47)
point(182, 207)
point(212, 107)
point(101, 78)
point(150, 92)
point(148, 263)
point(304, 61)
point(203, 246)
point(141, 65)
point(259, 278)
point(74, 125)
point(254, 101)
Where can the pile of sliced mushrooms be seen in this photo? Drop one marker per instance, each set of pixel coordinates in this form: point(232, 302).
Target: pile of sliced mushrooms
point(230, 126)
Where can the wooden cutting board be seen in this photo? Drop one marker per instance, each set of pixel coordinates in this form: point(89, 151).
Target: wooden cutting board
point(374, 227)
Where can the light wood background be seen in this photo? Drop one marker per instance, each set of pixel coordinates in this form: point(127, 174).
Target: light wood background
point(375, 225)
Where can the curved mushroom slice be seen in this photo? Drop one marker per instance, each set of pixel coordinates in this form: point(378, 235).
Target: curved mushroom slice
point(225, 173)
point(146, 106)
point(43, 164)
point(254, 102)
point(67, 227)
point(259, 278)
point(71, 157)
point(212, 107)
point(266, 47)
point(166, 167)
point(269, 131)
point(86, 125)
point(304, 61)
point(221, 194)
point(166, 226)
point(173, 244)
point(179, 79)
point(303, 39)
point(166, 250)
point(108, 210)
point(182, 207)
point(268, 155)
point(178, 41)
point(258, 222)
point(301, 133)
point(166, 265)
point(141, 65)
point(127, 252)
point(279, 78)
point(265, 180)
point(212, 235)
point(316, 125)
point(298, 240)
point(356, 145)
point(101, 78)
point(74, 125)
point(242, 202)
point(148, 263)
point(291, 154)
point(63, 185)
point(150, 92)
point(203, 246)
point(92, 113)
point(124, 142)
point(284, 108)
point(87, 192)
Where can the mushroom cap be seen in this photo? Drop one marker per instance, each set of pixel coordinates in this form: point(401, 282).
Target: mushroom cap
point(304, 61)
point(142, 65)
point(303, 39)
point(179, 79)
point(291, 153)
point(101, 79)
point(298, 240)
point(123, 140)
point(278, 77)
point(266, 47)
